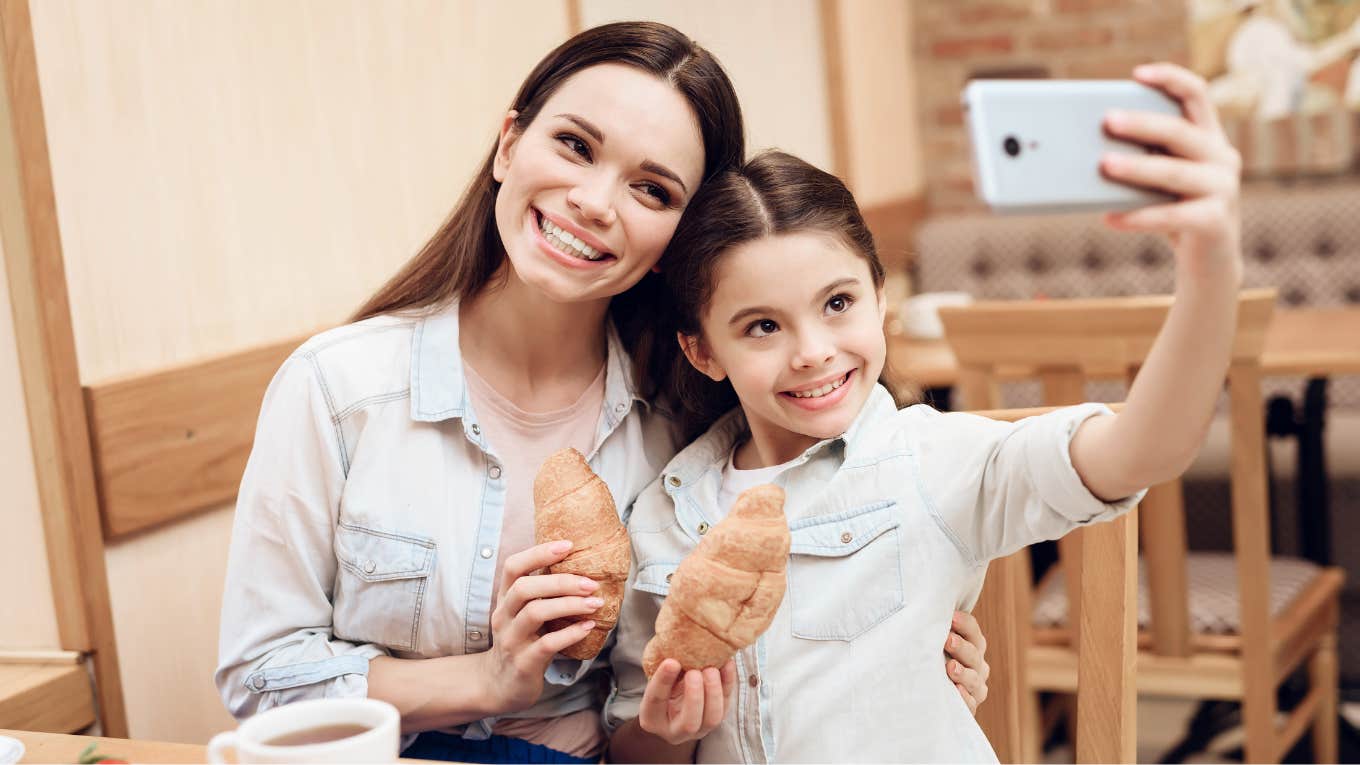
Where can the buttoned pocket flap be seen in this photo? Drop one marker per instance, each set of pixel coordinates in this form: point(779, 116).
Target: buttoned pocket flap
point(843, 533)
point(377, 556)
point(655, 578)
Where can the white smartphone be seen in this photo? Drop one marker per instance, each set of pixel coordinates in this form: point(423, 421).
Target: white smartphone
point(1037, 143)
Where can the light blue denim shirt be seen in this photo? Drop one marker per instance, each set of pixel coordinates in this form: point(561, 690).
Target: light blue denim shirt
point(892, 527)
point(369, 516)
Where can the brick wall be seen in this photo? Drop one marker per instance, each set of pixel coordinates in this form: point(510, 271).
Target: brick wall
point(957, 39)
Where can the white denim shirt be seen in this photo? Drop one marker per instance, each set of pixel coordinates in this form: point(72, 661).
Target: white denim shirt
point(892, 526)
point(370, 512)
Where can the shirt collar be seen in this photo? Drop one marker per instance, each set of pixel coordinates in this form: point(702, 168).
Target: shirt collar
point(439, 384)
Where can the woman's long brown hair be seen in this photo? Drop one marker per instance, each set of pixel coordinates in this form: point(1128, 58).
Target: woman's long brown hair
point(775, 193)
point(466, 253)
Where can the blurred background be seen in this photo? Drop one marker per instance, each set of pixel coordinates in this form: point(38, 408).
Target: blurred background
point(228, 177)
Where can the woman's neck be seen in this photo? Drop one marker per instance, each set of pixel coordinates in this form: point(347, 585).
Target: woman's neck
point(539, 354)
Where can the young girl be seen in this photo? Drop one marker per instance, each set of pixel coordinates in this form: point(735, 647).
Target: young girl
point(893, 514)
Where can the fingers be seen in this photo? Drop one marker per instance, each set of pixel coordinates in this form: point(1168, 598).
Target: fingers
point(965, 676)
point(1183, 85)
point(1182, 177)
point(1175, 134)
point(967, 699)
point(966, 626)
point(526, 624)
point(963, 651)
point(553, 643)
point(652, 713)
point(729, 677)
point(527, 589)
point(532, 559)
point(1201, 216)
point(715, 700)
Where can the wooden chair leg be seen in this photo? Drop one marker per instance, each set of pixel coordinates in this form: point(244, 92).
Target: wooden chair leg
point(1322, 675)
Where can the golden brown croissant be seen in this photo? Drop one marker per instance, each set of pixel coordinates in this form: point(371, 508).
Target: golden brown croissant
point(726, 592)
point(571, 502)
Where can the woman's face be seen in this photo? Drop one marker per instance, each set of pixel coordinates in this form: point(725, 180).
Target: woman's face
point(593, 188)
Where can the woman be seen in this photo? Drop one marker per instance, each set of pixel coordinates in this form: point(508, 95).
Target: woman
point(383, 541)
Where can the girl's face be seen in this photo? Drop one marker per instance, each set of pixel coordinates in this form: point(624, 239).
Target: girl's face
point(796, 324)
point(593, 188)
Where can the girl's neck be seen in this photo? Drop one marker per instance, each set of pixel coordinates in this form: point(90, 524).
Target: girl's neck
point(765, 449)
point(538, 353)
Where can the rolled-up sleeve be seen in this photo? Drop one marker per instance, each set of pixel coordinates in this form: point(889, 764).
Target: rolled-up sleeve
point(1000, 486)
point(275, 643)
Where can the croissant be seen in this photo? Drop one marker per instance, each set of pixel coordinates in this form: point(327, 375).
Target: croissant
point(571, 502)
point(725, 593)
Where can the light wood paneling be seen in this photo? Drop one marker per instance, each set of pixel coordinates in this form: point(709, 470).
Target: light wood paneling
point(25, 582)
point(46, 349)
point(167, 601)
point(232, 173)
point(171, 443)
point(772, 50)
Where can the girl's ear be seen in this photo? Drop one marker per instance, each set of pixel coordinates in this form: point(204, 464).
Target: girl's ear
point(505, 145)
point(699, 358)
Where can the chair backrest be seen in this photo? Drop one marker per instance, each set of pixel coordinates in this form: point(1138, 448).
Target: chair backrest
point(1064, 343)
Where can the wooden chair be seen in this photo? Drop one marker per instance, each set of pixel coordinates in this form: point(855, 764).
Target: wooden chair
point(1064, 343)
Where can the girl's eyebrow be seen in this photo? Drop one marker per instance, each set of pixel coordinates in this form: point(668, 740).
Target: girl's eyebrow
point(848, 281)
point(648, 165)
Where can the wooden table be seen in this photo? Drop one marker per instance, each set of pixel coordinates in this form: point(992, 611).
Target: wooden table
point(60, 748)
point(1309, 342)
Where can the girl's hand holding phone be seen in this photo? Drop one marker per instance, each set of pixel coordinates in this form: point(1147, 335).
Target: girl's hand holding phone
point(1201, 167)
point(679, 707)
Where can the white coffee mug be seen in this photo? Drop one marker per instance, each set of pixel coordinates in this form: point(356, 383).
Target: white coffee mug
point(265, 737)
point(921, 313)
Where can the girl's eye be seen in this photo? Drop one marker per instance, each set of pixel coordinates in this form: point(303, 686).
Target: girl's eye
point(576, 145)
point(762, 327)
point(839, 303)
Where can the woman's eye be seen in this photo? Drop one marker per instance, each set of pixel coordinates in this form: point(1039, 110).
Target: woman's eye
point(657, 193)
point(576, 145)
point(762, 328)
point(839, 303)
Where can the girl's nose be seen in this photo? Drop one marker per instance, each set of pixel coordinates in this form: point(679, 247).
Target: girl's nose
point(815, 349)
point(593, 199)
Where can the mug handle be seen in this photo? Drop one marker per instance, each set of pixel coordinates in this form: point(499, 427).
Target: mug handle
point(220, 744)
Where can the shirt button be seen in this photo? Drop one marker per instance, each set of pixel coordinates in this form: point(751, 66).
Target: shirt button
point(620, 408)
point(668, 578)
point(474, 635)
point(476, 429)
point(370, 566)
point(486, 552)
point(753, 680)
point(703, 527)
point(846, 537)
point(673, 480)
point(257, 683)
point(494, 472)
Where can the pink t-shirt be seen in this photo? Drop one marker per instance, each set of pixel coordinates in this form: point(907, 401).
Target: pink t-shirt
point(522, 441)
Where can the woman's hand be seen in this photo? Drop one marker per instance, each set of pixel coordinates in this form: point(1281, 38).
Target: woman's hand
point(965, 649)
point(679, 709)
point(1201, 168)
point(514, 665)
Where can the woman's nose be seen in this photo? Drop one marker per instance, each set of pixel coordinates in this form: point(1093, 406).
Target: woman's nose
point(593, 199)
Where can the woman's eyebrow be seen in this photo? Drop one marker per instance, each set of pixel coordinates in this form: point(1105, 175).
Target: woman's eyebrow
point(648, 165)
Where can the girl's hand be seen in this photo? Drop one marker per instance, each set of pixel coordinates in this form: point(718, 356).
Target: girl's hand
point(1200, 167)
point(678, 709)
point(964, 662)
point(514, 665)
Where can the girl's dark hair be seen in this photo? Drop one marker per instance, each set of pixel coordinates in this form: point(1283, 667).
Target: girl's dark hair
point(775, 193)
point(466, 253)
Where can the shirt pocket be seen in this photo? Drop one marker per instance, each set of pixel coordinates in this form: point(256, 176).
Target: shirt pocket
point(655, 578)
point(845, 572)
point(380, 585)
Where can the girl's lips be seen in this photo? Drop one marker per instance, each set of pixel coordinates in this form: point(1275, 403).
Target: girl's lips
point(824, 402)
point(561, 257)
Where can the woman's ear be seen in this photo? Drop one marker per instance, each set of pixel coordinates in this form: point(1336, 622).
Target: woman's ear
point(505, 145)
point(697, 352)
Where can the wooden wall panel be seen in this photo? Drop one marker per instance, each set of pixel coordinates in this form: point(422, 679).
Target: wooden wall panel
point(25, 582)
point(772, 49)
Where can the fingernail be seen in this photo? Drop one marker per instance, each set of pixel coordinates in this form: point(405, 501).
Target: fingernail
point(956, 618)
point(1142, 70)
point(594, 602)
point(1116, 118)
point(587, 625)
point(953, 641)
point(561, 547)
point(588, 584)
point(953, 668)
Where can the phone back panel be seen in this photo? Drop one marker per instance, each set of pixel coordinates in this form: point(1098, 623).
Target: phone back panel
point(1037, 143)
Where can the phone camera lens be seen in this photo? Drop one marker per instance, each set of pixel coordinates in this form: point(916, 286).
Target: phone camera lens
point(1011, 145)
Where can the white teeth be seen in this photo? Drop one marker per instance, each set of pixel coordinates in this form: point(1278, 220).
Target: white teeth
point(819, 392)
point(568, 244)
